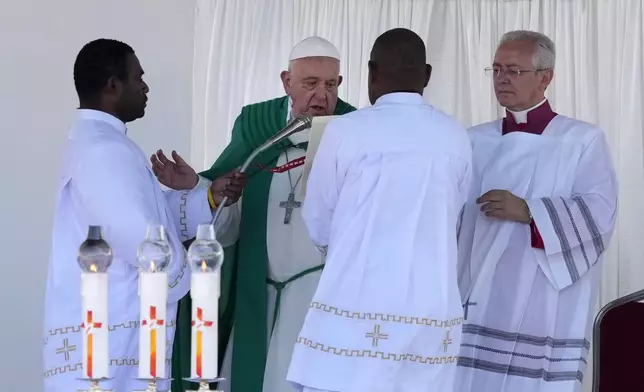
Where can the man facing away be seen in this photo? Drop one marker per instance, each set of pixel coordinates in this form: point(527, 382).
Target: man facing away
point(384, 195)
point(540, 215)
point(106, 181)
point(270, 274)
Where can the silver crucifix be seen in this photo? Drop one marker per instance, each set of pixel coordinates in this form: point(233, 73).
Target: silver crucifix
point(289, 205)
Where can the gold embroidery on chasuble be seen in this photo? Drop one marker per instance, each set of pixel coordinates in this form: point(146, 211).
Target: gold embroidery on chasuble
point(377, 354)
point(386, 317)
point(377, 333)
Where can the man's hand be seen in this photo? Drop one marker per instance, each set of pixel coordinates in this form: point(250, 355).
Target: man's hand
point(177, 175)
point(229, 185)
point(502, 204)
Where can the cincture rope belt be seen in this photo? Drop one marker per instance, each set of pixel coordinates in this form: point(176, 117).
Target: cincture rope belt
point(279, 287)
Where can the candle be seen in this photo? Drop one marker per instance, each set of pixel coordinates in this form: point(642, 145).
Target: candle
point(204, 290)
point(152, 336)
point(154, 256)
point(94, 258)
point(205, 256)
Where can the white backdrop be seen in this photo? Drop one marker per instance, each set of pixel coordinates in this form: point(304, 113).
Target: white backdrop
point(242, 45)
point(39, 41)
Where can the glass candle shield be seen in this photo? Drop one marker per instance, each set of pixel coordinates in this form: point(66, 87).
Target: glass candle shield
point(94, 254)
point(205, 254)
point(154, 253)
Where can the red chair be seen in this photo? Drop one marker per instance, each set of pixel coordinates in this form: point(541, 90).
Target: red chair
point(618, 346)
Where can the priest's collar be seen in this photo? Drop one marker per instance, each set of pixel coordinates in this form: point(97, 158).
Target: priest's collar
point(522, 116)
point(402, 98)
point(533, 120)
point(97, 115)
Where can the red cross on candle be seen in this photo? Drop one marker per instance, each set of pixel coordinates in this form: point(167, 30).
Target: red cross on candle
point(88, 326)
point(202, 324)
point(153, 323)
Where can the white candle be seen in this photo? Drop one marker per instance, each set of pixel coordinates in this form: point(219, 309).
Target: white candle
point(94, 326)
point(204, 291)
point(152, 335)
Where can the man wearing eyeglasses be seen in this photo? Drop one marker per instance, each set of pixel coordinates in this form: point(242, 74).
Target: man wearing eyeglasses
point(539, 218)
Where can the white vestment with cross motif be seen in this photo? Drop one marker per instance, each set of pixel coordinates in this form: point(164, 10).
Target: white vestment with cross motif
point(385, 191)
point(106, 180)
point(530, 310)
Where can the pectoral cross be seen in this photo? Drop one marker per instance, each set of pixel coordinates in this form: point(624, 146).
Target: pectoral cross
point(289, 205)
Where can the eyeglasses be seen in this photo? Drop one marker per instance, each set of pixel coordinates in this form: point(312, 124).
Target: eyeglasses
point(511, 73)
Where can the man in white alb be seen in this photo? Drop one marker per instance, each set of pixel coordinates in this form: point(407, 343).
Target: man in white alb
point(540, 215)
point(383, 197)
point(270, 274)
point(106, 181)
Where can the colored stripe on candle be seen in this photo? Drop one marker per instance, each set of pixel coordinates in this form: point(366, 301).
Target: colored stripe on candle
point(90, 340)
point(153, 353)
point(199, 353)
point(89, 355)
point(199, 349)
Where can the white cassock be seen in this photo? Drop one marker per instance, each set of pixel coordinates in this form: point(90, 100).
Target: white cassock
point(106, 181)
point(384, 194)
point(290, 253)
point(529, 311)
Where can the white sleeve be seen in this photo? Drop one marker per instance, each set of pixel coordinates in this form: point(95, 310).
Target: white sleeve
point(116, 192)
point(576, 230)
point(323, 187)
point(191, 208)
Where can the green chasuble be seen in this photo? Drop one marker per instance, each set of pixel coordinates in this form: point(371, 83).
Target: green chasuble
point(243, 300)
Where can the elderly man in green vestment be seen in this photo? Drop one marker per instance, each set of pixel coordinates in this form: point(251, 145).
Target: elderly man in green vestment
point(271, 268)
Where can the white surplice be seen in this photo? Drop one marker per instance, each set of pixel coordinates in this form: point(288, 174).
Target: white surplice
point(385, 192)
point(106, 181)
point(290, 252)
point(529, 311)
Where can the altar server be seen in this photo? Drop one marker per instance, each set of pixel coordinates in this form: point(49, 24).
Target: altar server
point(383, 198)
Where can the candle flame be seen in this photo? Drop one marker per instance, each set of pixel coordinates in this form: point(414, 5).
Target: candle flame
point(204, 267)
point(153, 266)
point(93, 268)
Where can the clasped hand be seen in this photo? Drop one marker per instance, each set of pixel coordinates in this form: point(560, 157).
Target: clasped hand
point(229, 185)
point(502, 204)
